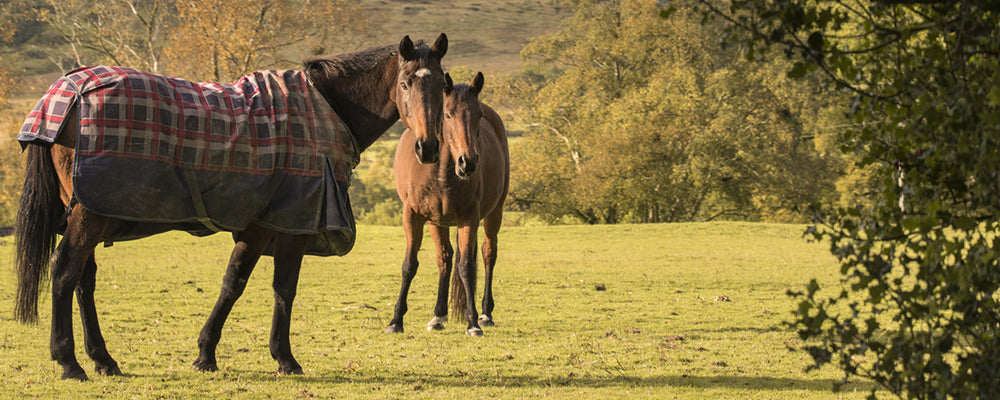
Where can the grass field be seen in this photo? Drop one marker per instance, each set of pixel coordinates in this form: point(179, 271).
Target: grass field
point(690, 311)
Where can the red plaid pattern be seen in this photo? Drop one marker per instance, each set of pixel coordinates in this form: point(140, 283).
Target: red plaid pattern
point(264, 122)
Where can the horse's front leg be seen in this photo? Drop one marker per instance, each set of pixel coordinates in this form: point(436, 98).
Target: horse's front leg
point(249, 246)
point(288, 251)
point(445, 254)
point(83, 231)
point(413, 227)
point(466, 265)
point(93, 340)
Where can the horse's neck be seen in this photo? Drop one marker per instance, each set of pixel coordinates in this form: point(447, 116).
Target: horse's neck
point(363, 99)
point(369, 115)
point(365, 124)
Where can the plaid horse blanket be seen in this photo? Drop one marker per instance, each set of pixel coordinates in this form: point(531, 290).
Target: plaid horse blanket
point(158, 153)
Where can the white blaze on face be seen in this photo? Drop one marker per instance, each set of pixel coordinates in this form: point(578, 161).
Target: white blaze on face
point(422, 72)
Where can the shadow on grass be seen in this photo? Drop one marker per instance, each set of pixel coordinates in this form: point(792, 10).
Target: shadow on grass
point(754, 383)
point(750, 329)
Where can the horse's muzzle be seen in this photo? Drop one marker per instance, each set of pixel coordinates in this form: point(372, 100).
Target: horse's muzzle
point(427, 151)
point(465, 166)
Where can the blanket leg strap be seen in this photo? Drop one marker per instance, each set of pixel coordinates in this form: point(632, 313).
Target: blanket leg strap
point(199, 203)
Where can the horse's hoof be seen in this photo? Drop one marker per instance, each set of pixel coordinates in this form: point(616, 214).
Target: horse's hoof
point(394, 329)
point(293, 370)
point(75, 373)
point(485, 320)
point(205, 367)
point(435, 327)
point(474, 332)
point(108, 370)
point(436, 324)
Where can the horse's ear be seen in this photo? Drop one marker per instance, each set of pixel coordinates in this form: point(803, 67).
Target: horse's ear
point(440, 46)
point(406, 49)
point(477, 83)
point(449, 84)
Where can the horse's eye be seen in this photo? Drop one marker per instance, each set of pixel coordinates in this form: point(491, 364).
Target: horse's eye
point(403, 84)
point(447, 116)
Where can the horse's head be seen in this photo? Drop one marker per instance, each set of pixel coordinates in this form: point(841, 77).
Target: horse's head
point(462, 112)
point(419, 94)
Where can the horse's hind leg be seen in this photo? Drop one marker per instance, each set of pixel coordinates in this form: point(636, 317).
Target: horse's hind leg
point(491, 226)
point(288, 251)
point(249, 246)
point(93, 340)
point(444, 261)
point(83, 231)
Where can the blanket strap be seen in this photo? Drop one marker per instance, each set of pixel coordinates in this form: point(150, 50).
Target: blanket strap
point(199, 203)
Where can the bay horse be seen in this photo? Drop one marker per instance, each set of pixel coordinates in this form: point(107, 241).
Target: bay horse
point(369, 90)
point(468, 183)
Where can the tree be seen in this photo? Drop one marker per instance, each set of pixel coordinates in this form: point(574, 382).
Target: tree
point(122, 32)
point(203, 40)
point(232, 38)
point(916, 310)
point(635, 118)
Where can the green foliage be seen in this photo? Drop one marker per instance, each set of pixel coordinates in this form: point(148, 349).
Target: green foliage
point(917, 308)
point(373, 193)
point(662, 328)
point(636, 118)
point(11, 167)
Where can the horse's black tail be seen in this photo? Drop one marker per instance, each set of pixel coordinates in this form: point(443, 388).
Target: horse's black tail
point(35, 230)
point(458, 296)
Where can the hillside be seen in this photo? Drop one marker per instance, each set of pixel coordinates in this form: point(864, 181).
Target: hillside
point(483, 35)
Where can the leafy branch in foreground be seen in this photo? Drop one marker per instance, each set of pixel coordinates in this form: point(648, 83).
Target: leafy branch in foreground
point(917, 309)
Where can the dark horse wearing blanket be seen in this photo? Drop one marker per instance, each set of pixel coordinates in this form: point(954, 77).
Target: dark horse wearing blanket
point(468, 184)
point(369, 90)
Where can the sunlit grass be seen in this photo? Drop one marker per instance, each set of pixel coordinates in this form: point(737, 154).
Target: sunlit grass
point(689, 311)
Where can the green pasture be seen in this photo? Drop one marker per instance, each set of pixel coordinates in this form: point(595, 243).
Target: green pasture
point(689, 311)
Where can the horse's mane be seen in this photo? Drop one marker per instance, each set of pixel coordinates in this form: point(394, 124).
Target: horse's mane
point(346, 64)
point(331, 67)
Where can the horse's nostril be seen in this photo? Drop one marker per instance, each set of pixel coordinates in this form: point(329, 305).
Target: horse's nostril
point(468, 164)
point(427, 151)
